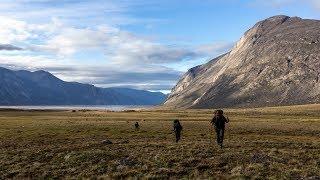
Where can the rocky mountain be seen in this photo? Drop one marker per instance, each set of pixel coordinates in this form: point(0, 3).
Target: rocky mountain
point(276, 62)
point(43, 88)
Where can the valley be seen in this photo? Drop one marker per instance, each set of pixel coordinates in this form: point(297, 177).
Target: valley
point(274, 142)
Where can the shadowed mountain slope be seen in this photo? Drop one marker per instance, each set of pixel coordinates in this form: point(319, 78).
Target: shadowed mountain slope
point(43, 88)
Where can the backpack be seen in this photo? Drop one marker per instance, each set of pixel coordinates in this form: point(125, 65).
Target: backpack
point(219, 121)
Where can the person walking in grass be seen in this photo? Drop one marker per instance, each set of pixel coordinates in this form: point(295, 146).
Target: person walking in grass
point(177, 128)
point(219, 121)
point(137, 126)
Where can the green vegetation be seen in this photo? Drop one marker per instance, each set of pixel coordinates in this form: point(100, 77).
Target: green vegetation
point(273, 143)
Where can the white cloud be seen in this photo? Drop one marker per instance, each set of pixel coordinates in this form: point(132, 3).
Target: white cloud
point(18, 31)
point(120, 47)
point(12, 30)
point(71, 40)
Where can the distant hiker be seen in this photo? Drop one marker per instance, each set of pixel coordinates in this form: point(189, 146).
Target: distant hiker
point(136, 125)
point(177, 128)
point(219, 121)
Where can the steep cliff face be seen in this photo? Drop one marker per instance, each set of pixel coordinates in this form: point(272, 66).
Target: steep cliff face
point(276, 62)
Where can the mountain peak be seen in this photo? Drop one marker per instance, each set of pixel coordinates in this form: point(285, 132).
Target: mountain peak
point(278, 18)
point(276, 62)
point(271, 22)
point(43, 72)
point(46, 75)
point(275, 21)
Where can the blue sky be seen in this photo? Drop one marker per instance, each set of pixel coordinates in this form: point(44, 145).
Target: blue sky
point(139, 44)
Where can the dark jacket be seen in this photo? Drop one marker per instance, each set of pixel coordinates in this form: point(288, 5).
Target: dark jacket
point(219, 121)
point(177, 127)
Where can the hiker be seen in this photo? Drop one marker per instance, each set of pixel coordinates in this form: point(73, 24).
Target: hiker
point(219, 121)
point(177, 128)
point(136, 125)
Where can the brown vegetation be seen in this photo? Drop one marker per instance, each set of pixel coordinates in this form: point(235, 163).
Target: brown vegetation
point(276, 143)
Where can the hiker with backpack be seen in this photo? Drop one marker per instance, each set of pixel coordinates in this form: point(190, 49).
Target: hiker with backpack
point(219, 121)
point(137, 126)
point(177, 128)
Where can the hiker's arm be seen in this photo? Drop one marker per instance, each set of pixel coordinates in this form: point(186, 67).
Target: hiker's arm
point(227, 119)
point(213, 120)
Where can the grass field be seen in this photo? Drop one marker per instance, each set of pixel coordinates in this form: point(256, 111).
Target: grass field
point(263, 143)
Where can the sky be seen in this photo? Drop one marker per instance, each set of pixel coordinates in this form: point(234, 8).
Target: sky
point(142, 44)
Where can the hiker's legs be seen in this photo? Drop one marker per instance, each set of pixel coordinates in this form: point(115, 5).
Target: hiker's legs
point(221, 135)
point(218, 135)
point(178, 135)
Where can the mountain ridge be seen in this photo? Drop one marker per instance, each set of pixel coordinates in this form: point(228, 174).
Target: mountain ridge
point(42, 88)
point(275, 62)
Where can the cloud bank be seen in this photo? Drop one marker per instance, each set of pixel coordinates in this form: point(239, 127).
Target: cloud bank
point(85, 41)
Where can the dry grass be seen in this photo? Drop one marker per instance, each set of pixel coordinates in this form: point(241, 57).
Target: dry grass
point(272, 143)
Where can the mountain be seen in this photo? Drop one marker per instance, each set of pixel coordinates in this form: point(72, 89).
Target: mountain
point(276, 62)
point(43, 88)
